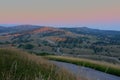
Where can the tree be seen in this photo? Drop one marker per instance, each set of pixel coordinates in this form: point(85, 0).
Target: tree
point(28, 46)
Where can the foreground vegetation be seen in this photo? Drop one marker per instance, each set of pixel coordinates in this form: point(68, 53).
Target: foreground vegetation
point(19, 65)
point(101, 66)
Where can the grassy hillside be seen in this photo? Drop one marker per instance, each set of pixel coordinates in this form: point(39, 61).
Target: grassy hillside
point(19, 65)
point(101, 66)
point(81, 41)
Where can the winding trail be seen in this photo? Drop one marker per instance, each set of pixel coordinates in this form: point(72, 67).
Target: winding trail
point(84, 72)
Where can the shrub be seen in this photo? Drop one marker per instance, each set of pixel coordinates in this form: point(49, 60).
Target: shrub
point(28, 46)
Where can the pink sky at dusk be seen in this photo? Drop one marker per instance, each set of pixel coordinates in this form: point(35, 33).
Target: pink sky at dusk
point(72, 12)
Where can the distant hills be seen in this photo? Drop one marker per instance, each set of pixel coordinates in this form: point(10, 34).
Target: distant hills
point(72, 41)
point(17, 28)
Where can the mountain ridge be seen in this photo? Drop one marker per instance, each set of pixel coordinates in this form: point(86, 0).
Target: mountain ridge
point(38, 26)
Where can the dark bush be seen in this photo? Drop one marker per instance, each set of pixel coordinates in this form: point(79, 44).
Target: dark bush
point(28, 46)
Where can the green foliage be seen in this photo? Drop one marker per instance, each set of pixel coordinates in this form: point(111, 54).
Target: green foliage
point(43, 54)
point(7, 42)
point(118, 58)
point(28, 46)
point(1, 43)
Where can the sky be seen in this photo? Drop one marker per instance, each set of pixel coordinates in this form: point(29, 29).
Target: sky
point(101, 14)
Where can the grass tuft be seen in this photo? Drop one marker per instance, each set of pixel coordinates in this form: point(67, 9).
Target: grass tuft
point(18, 65)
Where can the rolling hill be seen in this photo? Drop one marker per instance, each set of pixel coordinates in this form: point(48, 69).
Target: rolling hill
point(79, 41)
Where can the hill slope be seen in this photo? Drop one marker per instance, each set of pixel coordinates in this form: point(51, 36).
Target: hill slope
point(82, 41)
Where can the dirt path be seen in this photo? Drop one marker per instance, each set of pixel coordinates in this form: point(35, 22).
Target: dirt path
point(88, 73)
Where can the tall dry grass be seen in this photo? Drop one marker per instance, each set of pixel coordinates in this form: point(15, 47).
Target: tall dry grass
point(18, 65)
